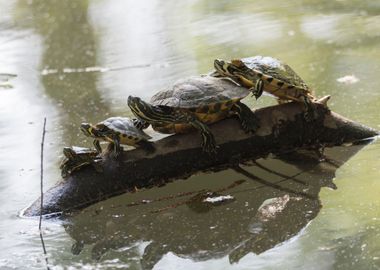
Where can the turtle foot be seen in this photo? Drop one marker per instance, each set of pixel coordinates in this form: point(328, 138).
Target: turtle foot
point(209, 147)
point(115, 154)
point(147, 146)
point(250, 124)
point(310, 116)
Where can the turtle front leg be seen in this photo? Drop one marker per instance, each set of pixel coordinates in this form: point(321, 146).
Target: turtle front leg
point(117, 149)
point(248, 120)
point(140, 124)
point(258, 89)
point(208, 140)
point(97, 146)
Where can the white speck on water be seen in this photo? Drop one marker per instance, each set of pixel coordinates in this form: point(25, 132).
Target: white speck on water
point(48, 71)
point(218, 199)
point(45, 72)
point(291, 33)
point(348, 79)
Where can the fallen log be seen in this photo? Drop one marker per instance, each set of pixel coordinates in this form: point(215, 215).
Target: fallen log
point(282, 129)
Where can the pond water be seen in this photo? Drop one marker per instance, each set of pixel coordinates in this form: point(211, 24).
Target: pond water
point(79, 60)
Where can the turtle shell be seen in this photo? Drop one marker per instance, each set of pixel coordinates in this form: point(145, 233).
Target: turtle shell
point(76, 158)
point(199, 91)
point(274, 68)
point(123, 126)
point(76, 152)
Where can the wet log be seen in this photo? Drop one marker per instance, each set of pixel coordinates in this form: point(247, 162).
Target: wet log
point(282, 129)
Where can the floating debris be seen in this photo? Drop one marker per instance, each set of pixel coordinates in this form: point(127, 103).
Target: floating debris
point(270, 207)
point(348, 79)
point(218, 199)
point(4, 78)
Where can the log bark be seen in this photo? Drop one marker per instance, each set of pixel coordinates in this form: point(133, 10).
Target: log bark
point(282, 129)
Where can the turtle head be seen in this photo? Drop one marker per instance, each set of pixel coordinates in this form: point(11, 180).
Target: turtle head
point(140, 108)
point(229, 68)
point(221, 66)
point(69, 153)
point(89, 130)
point(147, 112)
point(234, 69)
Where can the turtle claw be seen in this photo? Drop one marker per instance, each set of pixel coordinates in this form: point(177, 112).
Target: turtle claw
point(248, 120)
point(310, 115)
point(210, 148)
point(116, 154)
point(250, 124)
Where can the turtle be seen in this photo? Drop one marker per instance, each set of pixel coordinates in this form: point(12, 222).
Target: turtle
point(116, 131)
point(76, 158)
point(193, 103)
point(265, 73)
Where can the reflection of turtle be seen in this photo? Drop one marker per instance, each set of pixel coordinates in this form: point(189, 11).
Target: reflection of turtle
point(276, 220)
point(270, 75)
point(193, 103)
point(116, 131)
point(76, 158)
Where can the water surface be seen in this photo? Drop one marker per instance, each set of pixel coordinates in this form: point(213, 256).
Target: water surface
point(79, 60)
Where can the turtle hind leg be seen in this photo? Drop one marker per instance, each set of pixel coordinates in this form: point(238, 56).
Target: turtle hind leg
point(114, 149)
point(140, 124)
point(248, 120)
point(310, 113)
point(208, 141)
point(147, 146)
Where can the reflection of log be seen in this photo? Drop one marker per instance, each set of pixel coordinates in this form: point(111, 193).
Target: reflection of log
point(233, 229)
point(282, 129)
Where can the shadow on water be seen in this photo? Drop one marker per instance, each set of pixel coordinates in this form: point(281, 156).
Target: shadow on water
point(273, 200)
point(69, 45)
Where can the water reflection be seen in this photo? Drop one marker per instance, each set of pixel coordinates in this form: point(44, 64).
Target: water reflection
point(260, 217)
point(69, 43)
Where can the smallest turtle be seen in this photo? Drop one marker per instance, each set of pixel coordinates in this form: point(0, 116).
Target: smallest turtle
point(76, 158)
point(116, 131)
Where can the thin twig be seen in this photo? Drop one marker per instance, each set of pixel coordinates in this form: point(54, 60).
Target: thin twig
point(250, 175)
point(42, 193)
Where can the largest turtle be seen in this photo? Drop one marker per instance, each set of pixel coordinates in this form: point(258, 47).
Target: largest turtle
point(195, 102)
point(264, 73)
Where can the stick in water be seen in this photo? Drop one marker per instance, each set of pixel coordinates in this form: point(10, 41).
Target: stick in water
point(42, 193)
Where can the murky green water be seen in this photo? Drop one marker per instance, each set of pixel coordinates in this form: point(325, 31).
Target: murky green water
point(79, 60)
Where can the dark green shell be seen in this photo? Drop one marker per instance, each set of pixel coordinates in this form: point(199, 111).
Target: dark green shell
point(200, 91)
